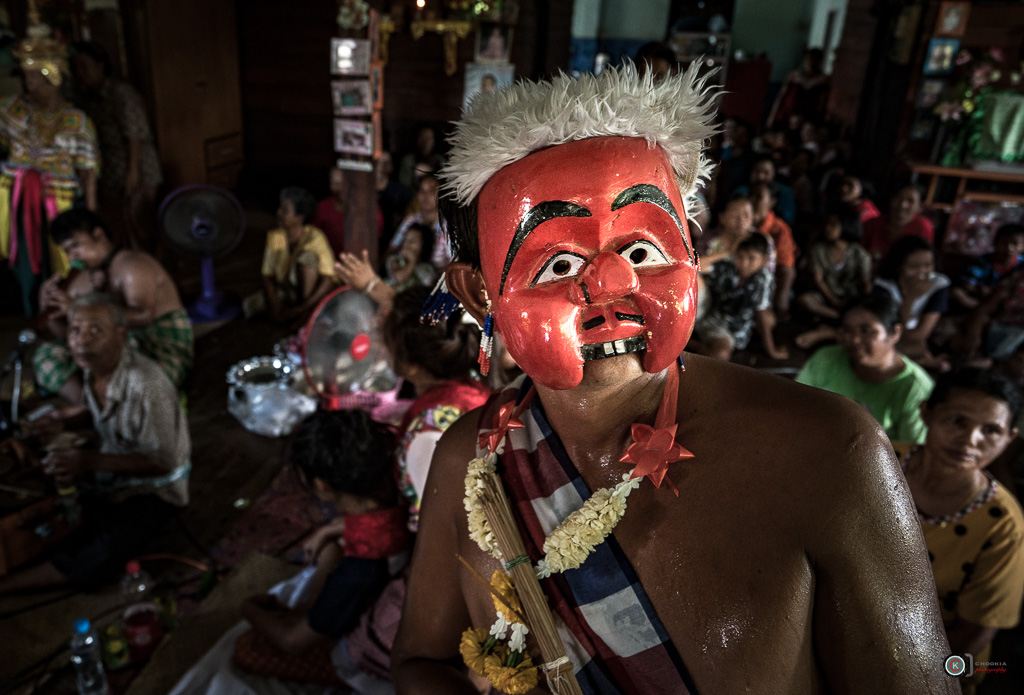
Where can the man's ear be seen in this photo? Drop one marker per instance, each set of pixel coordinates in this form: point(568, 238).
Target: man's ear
point(466, 284)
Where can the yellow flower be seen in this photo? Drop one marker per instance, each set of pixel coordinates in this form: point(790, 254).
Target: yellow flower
point(514, 680)
point(474, 651)
point(508, 605)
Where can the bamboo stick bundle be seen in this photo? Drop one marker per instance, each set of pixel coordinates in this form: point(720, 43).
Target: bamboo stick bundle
point(557, 667)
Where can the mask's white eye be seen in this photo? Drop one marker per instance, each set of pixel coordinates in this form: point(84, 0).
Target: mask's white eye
point(564, 264)
point(642, 253)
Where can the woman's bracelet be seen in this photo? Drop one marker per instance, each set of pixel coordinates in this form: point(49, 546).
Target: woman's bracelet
point(371, 284)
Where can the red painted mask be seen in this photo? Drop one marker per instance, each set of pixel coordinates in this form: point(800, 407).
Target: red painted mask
point(585, 253)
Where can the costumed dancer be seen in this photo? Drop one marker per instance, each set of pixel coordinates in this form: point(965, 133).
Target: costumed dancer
point(52, 160)
point(769, 538)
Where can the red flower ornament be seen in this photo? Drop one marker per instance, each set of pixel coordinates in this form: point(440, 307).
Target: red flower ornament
point(651, 452)
point(506, 419)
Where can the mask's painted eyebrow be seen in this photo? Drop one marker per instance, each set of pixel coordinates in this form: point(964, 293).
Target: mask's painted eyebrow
point(538, 214)
point(649, 193)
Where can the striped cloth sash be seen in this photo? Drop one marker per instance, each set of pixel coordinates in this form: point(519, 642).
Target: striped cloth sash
point(605, 619)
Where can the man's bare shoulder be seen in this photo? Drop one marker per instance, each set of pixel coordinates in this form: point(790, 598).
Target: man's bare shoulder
point(758, 402)
point(138, 265)
point(809, 441)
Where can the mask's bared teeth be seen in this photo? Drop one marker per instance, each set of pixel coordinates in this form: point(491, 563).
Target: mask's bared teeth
point(612, 348)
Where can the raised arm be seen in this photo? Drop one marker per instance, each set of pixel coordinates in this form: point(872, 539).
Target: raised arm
point(876, 616)
point(425, 659)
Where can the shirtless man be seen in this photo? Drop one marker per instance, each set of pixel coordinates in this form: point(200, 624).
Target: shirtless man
point(159, 324)
point(790, 561)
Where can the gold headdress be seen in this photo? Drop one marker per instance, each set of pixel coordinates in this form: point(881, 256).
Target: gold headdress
point(40, 51)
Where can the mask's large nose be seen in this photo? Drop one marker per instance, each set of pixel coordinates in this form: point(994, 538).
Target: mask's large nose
point(607, 277)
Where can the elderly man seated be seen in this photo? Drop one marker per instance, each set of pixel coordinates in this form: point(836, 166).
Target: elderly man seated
point(138, 477)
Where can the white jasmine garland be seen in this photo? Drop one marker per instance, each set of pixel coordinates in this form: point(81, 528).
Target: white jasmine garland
point(479, 529)
point(518, 641)
point(568, 546)
point(499, 630)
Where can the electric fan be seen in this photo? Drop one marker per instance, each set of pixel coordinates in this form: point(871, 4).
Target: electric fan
point(207, 221)
point(343, 358)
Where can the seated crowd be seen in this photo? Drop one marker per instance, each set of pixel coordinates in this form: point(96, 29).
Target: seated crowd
point(795, 255)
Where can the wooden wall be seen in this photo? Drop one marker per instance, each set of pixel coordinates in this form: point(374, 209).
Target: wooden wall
point(184, 56)
point(851, 63)
point(284, 55)
point(285, 82)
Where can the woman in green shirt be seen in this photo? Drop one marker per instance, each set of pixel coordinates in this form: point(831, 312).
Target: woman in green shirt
point(867, 368)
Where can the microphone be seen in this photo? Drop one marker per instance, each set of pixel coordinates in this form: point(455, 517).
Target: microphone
point(25, 340)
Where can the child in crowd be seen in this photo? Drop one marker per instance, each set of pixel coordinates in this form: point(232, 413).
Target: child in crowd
point(841, 271)
point(298, 264)
point(851, 194)
point(763, 170)
point(996, 328)
point(903, 219)
point(735, 223)
point(346, 460)
point(741, 290)
point(159, 326)
point(984, 273)
point(410, 265)
point(908, 274)
point(436, 360)
point(428, 216)
point(781, 236)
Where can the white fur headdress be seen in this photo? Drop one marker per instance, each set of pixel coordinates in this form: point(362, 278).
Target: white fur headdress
point(506, 125)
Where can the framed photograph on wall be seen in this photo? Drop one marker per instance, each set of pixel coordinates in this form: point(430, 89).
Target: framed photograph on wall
point(931, 92)
point(493, 43)
point(353, 137)
point(377, 85)
point(350, 56)
point(485, 77)
point(941, 56)
point(352, 97)
point(952, 19)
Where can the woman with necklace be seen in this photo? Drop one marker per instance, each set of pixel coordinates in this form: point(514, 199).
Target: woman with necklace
point(972, 526)
point(867, 368)
point(52, 161)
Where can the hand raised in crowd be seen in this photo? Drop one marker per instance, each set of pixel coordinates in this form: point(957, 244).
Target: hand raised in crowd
point(355, 271)
point(52, 298)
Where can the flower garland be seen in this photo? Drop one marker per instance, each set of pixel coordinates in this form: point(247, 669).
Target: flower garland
point(508, 667)
point(568, 546)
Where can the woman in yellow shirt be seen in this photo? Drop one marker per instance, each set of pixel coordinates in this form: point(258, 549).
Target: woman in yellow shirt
point(973, 527)
point(298, 266)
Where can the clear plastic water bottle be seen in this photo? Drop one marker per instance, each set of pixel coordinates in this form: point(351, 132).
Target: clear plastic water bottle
point(87, 659)
point(141, 618)
point(137, 585)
